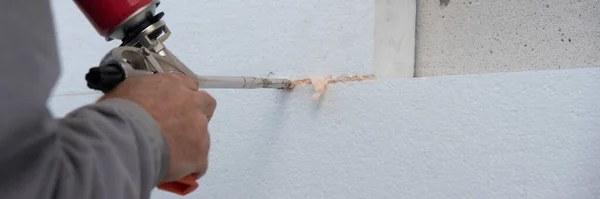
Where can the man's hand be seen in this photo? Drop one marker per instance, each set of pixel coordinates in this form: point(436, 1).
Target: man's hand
point(183, 114)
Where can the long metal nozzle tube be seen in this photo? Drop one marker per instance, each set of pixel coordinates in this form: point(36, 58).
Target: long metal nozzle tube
point(241, 82)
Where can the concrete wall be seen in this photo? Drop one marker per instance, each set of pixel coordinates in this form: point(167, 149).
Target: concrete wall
point(511, 135)
point(480, 36)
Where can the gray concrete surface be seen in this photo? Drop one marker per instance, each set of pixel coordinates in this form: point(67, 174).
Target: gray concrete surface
point(476, 36)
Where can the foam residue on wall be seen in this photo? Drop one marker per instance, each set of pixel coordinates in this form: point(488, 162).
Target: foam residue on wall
point(320, 84)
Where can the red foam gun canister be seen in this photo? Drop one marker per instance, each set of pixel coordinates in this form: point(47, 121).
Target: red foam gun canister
point(107, 16)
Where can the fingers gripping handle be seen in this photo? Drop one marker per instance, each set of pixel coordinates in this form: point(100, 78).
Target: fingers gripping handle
point(182, 187)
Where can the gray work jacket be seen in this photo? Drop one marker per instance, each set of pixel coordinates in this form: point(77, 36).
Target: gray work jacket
point(112, 149)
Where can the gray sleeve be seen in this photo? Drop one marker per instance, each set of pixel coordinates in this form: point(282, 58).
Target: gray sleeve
point(112, 149)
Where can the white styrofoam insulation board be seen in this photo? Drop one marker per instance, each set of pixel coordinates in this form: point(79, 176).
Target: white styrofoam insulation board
point(502, 136)
point(394, 39)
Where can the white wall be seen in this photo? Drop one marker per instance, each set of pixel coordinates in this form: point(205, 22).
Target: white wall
point(512, 135)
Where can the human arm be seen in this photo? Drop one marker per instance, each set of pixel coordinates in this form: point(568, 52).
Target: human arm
point(111, 149)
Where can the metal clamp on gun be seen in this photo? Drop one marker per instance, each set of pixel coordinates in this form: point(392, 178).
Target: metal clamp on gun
point(142, 52)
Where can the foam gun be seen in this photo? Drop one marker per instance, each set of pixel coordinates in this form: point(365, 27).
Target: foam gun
point(142, 52)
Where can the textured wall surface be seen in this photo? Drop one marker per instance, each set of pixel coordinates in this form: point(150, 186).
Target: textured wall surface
point(478, 36)
point(513, 135)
